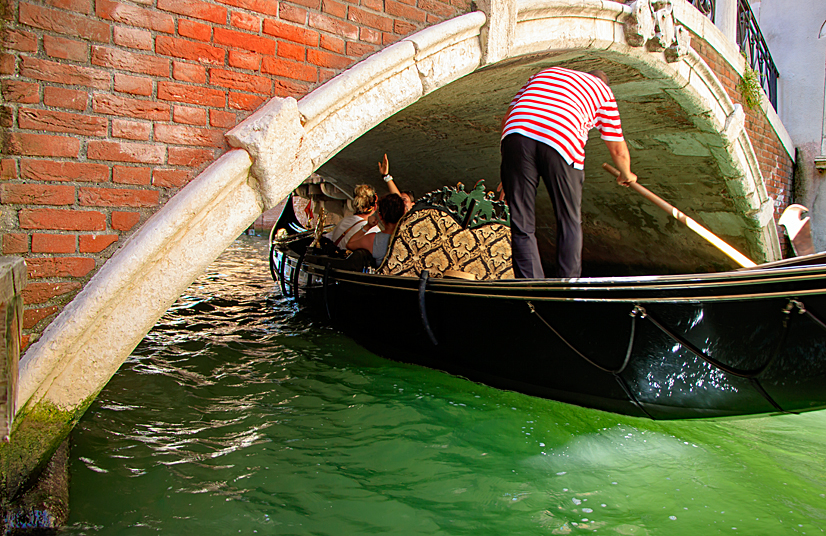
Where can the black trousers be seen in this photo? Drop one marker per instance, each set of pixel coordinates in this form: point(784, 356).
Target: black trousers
point(524, 161)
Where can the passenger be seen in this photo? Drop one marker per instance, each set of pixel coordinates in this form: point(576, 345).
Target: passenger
point(391, 210)
point(364, 205)
point(409, 200)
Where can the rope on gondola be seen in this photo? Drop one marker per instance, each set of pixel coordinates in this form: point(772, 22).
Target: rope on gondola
point(751, 375)
point(423, 277)
point(616, 373)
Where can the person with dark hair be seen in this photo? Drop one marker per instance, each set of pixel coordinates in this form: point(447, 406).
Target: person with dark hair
point(544, 135)
point(409, 199)
point(391, 210)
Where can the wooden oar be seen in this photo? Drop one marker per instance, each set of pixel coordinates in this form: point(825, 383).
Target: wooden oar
point(715, 240)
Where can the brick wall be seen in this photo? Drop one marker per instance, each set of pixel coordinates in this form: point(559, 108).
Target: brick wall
point(775, 164)
point(110, 107)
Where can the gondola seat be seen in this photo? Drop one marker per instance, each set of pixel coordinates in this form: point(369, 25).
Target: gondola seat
point(455, 232)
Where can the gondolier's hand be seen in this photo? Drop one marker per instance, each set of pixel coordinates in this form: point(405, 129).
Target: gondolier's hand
point(384, 166)
point(626, 179)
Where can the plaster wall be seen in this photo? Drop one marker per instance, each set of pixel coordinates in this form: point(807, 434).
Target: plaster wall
point(791, 32)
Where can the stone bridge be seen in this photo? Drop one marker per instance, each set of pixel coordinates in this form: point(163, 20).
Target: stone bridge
point(432, 100)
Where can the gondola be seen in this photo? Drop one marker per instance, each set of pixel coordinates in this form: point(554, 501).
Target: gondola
point(735, 343)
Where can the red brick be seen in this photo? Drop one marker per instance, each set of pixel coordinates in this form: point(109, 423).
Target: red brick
point(242, 101)
point(403, 28)
point(357, 50)
point(267, 7)
point(388, 38)
point(289, 69)
point(220, 119)
point(42, 292)
point(290, 89)
point(113, 58)
point(53, 243)
point(20, 41)
point(333, 44)
point(372, 20)
point(66, 49)
point(194, 30)
point(437, 8)
point(8, 169)
point(292, 51)
point(41, 145)
point(397, 9)
point(59, 267)
point(132, 38)
point(189, 50)
point(189, 157)
point(203, 96)
point(70, 75)
point(37, 194)
point(15, 243)
point(336, 9)
point(326, 59)
point(312, 4)
point(244, 60)
point(291, 33)
point(7, 62)
point(6, 116)
point(117, 197)
point(125, 152)
point(20, 92)
point(245, 21)
point(78, 6)
point(183, 135)
point(369, 35)
point(125, 106)
point(292, 14)
point(63, 23)
point(96, 243)
point(195, 9)
point(136, 85)
point(170, 178)
point(253, 43)
point(60, 97)
point(62, 219)
point(189, 115)
point(375, 5)
point(334, 26)
point(47, 170)
point(32, 316)
point(187, 72)
point(131, 175)
point(54, 121)
point(240, 81)
point(150, 19)
point(123, 221)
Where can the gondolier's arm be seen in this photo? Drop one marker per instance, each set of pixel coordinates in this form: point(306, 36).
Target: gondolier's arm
point(622, 159)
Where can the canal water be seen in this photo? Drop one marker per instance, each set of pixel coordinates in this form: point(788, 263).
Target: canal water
point(241, 414)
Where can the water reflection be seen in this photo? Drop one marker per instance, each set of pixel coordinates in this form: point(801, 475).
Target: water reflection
point(239, 414)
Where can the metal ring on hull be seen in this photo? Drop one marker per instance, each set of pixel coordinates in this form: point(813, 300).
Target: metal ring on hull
point(751, 375)
point(616, 373)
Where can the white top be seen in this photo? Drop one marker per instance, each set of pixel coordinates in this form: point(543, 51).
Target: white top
point(349, 225)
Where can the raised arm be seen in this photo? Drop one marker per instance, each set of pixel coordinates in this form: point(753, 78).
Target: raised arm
point(622, 160)
point(384, 169)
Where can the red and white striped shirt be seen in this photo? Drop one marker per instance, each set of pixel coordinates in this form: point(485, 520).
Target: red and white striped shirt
point(559, 106)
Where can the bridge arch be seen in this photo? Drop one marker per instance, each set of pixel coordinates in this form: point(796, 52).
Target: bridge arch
point(281, 144)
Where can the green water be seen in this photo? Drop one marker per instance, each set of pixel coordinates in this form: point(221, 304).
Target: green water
point(239, 414)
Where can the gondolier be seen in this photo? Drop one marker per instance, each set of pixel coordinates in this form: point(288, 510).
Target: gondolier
point(544, 135)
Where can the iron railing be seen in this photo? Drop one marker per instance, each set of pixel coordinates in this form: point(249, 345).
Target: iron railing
point(754, 47)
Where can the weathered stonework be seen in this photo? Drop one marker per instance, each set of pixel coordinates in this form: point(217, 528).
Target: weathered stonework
point(12, 284)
